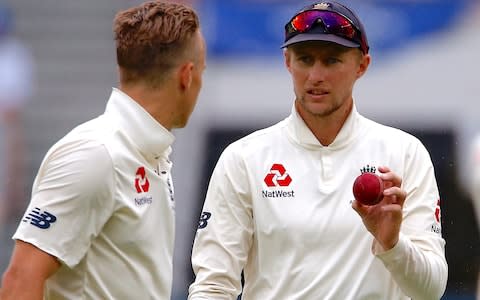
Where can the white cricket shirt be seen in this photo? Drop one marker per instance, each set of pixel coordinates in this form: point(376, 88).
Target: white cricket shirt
point(278, 207)
point(102, 203)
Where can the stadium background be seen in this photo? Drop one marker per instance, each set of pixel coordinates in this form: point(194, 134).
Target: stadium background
point(424, 79)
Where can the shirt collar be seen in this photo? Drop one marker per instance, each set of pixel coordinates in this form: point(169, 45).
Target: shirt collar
point(300, 132)
point(149, 136)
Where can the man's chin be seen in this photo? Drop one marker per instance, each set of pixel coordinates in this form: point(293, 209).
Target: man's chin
point(319, 109)
point(180, 124)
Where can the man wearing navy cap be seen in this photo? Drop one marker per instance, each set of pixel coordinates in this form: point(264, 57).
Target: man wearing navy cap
point(280, 208)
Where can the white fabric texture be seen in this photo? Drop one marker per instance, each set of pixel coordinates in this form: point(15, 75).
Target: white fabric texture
point(108, 186)
point(299, 238)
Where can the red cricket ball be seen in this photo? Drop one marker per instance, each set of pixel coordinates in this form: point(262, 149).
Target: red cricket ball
point(368, 188)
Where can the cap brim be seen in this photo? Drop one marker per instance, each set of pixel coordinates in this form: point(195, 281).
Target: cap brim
point(305, 37)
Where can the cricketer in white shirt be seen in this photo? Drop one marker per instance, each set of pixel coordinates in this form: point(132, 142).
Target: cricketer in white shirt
point(278, 208)
point(102, 203)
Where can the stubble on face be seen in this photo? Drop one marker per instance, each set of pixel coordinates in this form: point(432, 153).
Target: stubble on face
point(328, 110)
point(323, 74)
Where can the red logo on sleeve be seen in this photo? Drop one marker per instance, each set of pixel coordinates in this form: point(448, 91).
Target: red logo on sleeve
point(277, 176)
point(141, 181)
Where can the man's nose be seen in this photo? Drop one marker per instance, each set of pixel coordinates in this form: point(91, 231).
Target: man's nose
point(318, 72)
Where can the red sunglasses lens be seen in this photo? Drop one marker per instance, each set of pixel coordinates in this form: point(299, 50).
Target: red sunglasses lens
point(333, 23)
point(337, 24)
point(305, 20)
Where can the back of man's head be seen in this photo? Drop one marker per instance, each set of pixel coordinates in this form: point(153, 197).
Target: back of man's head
point(152, 39)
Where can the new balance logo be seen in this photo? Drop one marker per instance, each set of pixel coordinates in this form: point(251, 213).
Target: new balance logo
point(277, 176)
point(204, 219)
point(42, 220)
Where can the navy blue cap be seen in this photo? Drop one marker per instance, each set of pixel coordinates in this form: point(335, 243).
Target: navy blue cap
point(318, 33)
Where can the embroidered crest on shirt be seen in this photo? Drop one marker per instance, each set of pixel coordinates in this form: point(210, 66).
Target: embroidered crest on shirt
point(368, 169)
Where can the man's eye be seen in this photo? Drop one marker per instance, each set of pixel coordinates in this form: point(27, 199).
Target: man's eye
point(332, 60)
point(305, 59)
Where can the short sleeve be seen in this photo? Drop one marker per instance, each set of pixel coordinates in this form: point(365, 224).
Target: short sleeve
point(72, 199)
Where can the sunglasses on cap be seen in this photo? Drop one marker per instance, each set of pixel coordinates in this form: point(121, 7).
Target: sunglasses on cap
point(333, 23)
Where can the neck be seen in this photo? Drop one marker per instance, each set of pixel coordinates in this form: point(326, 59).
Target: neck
point(326, 127)
point(157, 102)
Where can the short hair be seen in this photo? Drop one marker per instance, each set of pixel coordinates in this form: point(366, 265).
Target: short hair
point(151, 39)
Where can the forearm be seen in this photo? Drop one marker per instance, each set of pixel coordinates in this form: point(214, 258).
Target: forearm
point(27, 273)
point(15, 287)
point(421, 274)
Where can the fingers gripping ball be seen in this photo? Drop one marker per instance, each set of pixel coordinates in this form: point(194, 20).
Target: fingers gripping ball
point(368, 188)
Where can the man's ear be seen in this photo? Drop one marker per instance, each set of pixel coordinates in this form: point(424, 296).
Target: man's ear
point(363, 66)
point(185, 75)
point(288, 56)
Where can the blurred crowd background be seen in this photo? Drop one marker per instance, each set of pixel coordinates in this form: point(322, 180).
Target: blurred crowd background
point(57, 68)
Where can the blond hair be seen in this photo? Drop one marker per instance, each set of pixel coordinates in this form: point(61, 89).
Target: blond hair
point(153, 38)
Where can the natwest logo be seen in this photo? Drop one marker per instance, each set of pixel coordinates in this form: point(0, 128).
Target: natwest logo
point(436, 226)
point(437, 211)
point(277, 176)
point(141, 181)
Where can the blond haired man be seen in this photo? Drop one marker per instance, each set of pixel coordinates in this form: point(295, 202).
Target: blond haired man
point(100, 224)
